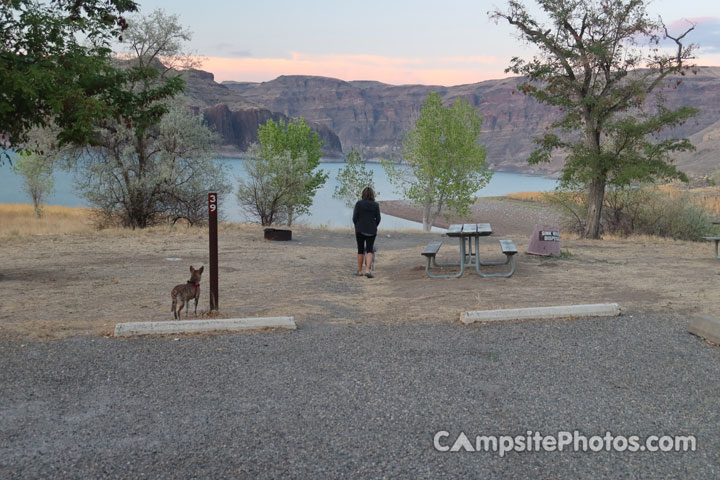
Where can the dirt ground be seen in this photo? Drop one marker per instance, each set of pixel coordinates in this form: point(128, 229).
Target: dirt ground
point(56, 286)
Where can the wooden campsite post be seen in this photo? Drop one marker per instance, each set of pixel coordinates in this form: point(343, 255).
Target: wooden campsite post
point(212, 222)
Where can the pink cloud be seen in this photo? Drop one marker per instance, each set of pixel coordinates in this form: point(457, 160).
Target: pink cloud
point(687, 22)
point(701, 26)
point(393, 70)
point(707, 60)
point(446, 71)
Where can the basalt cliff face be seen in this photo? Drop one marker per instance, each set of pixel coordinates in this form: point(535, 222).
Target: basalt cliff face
point(373, 117)
point(236, 119)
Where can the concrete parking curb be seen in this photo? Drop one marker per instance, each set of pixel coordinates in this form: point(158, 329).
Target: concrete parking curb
point(595, 310)
point(705, 326)
point(200, 326)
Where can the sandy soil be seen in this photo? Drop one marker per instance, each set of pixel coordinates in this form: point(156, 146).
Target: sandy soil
point(64, 285)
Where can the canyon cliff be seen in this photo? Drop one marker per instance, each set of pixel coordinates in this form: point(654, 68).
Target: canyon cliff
point(373, 117)
point(236, 119)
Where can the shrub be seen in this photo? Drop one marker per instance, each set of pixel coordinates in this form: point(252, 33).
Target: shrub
point(161, 176)
point(638, 211)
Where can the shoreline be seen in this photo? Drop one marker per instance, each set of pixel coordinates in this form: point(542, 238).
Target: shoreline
point(507, 216)
point(378, 161)
point(402, 209)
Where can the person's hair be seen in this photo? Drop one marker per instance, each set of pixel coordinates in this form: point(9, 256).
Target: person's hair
point(368, 194)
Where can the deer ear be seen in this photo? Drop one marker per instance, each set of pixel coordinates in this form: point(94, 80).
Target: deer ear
point(201, 269)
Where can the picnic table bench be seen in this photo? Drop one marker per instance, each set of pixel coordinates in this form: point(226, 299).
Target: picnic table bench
point(469, 256)
point(716, 240)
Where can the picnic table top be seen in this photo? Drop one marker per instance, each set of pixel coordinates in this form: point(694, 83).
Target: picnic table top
point(469, 229)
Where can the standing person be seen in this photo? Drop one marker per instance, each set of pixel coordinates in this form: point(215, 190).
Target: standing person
point(366, 217)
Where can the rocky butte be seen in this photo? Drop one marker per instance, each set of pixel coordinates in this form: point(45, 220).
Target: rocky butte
point(373, 117)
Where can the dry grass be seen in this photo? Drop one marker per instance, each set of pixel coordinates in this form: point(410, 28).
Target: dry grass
point(528, 196)
point(19, 220)
point(81, 284)
point(537, 197)
point(85, 282)
point(707, 198)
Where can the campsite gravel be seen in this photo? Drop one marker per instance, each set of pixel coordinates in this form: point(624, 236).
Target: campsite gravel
point(365, 400)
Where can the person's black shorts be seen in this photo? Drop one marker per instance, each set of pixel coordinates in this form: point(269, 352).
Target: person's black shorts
point(365, 243)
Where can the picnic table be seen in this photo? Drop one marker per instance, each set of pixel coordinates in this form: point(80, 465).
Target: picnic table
point(469, 237)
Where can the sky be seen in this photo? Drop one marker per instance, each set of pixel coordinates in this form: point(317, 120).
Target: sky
point(430, 42)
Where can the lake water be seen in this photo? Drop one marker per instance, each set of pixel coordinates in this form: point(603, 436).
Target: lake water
point(326, 211)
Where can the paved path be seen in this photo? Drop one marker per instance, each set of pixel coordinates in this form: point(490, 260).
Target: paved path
point(359, 401)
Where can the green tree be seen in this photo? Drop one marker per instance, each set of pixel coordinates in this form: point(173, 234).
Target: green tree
point(446, 163)
point(283, 178)
point(591, 65)
point(37, 173)
point(152, 163)
point(36, 165)
point(352, 179)
point(55, 66)
point(268, 185)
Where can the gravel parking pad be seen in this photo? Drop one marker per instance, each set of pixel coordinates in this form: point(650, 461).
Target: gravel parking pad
point(359, 401)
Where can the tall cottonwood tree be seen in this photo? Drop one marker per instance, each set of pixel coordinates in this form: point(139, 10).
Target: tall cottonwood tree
point(592, 65)
point(446, 163)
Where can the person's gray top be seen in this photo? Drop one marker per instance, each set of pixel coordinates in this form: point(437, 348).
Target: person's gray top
point(366, 217)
